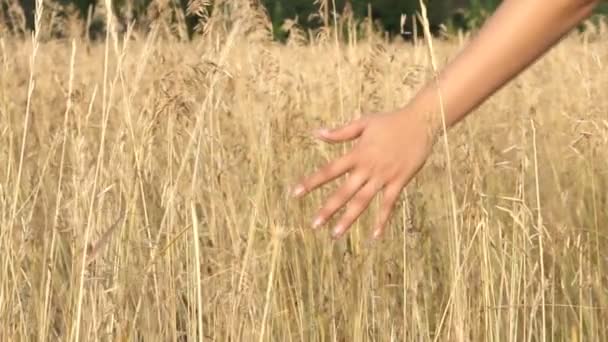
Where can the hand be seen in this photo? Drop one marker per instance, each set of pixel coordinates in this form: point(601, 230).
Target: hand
point(390, 150)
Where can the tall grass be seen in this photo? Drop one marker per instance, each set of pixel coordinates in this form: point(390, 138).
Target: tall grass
point(148, 198)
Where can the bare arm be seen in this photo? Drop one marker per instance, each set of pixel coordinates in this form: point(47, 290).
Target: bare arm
point(513, 38)
point(392, 147)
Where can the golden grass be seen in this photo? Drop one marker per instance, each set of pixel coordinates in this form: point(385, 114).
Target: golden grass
point(150, 198)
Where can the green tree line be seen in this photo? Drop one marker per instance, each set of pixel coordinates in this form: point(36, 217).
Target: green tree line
point(387, 12)
point(453, 14)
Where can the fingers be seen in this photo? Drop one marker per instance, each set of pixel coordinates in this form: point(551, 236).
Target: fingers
point(329, 172)
point(389, 198)
point(336, 168)
point(347, 132)
point(358, 204)
point(339, 198)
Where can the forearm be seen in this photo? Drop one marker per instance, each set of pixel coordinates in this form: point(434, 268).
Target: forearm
point(513, 38)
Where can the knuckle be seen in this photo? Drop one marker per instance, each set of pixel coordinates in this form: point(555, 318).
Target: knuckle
point(374, 185)
point(358, 203)
point(343, 193)
point(358, 178)
point(388, 198)
point(386, 214)
point(347, 219)
point(332, 204)
point(387, 205)
point(365, 167)
point(324, 213)
point(391, 172)
point(330, 168)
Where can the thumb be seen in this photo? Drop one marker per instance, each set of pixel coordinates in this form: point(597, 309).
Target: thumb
point(347, 132)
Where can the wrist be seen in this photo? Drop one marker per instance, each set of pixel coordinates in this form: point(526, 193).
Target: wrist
point(424, 116)
point(428, 112)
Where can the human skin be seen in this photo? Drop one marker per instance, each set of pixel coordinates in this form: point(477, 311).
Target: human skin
point(392, 147)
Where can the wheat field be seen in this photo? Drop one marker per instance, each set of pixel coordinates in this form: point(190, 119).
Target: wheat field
point(144, 193)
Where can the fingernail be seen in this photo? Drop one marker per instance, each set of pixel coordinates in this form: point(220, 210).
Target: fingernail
point(317, 223)
point(337, 231)
point(377, 233)
point(322, 132)
point(298, 191)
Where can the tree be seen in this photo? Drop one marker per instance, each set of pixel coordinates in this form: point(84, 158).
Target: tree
point(388, 12)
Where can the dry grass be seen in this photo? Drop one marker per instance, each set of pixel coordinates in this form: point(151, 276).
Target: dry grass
point(143, 195)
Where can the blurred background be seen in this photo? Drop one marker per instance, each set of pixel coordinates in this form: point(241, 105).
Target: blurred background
point(17, 16)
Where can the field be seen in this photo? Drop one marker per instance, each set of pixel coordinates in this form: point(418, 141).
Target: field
point(144, 194)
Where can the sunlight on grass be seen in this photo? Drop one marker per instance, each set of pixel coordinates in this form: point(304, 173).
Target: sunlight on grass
point(144, 193)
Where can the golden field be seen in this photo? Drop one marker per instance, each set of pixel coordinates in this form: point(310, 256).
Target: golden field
point(144, 194)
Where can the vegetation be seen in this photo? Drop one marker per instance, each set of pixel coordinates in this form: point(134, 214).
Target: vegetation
point(144, 181)
point(187, 17)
